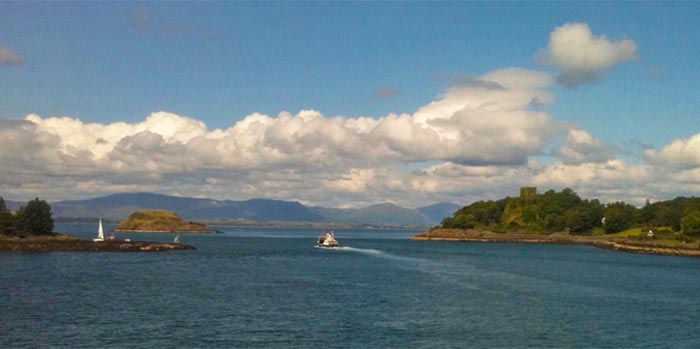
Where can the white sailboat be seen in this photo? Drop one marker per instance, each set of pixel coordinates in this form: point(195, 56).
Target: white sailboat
point(177, 240)
point(100, 233)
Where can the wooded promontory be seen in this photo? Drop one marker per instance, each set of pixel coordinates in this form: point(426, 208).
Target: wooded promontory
point(666, 227)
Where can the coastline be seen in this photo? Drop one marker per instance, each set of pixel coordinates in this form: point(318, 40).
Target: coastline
point(64, 243)
point(608, 243)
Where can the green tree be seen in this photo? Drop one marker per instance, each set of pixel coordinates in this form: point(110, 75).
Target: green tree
point(480, 212)
point(584, 217)
point(464, 222)
point(447, 222)
point(35, 218)
point(573, 220)
point(646, 215)
point(669, 213)
point(485, 212)
point(690, 224)
point(619, 216)
point(666, 216)
point(553, 208)
point(567, 198)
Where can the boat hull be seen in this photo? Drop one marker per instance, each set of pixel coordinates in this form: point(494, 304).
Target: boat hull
point(327, 241)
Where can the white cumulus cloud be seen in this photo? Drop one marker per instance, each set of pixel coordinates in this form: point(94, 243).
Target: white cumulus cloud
point(683, 153)
point(582, 147)
point(581, 56)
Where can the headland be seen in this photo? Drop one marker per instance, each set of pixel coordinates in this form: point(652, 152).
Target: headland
point(614, 243)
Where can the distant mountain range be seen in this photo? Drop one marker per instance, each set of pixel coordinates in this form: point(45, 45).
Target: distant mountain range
point(120, 206)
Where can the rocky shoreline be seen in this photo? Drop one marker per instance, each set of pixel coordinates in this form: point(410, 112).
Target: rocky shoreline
point(613, 244)
point(64, 243)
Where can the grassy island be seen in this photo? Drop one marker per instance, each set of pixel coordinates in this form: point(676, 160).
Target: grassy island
point(665, 227)
point(159, 221)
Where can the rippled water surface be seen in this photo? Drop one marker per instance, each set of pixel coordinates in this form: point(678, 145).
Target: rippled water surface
point(273, 288)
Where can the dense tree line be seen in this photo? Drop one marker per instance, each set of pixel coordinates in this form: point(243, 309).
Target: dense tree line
point(33, 219)
point(565, 211)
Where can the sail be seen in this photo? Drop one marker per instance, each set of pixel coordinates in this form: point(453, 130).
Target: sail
point(100, 231)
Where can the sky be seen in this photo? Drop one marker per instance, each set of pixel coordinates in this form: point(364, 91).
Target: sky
point(350, 104)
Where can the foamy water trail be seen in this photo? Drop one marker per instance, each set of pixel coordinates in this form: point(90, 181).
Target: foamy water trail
point(381, 254)
point(376, 253)
point(447, 272)
point(466, 276)
point(361, 250)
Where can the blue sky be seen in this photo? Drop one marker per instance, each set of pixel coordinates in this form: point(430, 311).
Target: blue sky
point(217, 63)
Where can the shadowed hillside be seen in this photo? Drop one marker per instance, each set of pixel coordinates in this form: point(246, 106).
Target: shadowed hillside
point(436, 213)
point(382, 214)
point(120, 206)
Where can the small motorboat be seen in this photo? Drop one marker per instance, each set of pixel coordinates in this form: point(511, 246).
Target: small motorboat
point(327, 240)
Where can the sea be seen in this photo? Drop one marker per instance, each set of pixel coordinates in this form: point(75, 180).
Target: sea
point(273, 288)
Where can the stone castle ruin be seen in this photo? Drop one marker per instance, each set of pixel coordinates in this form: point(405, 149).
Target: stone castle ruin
point(528, 192)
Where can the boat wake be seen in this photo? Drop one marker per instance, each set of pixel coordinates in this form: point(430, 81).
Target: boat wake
point(375, 253)
point(352, 249)
point(460, 275)
point(453, 274)
point(361, 250)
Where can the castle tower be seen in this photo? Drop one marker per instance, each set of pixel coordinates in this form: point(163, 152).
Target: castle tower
point(528, 192)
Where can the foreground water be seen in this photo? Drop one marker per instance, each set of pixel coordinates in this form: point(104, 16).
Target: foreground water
point(272, 288)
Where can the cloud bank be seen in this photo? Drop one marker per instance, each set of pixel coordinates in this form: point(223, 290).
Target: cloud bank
point(481, 139)
point(582, 57)
point(478, 124)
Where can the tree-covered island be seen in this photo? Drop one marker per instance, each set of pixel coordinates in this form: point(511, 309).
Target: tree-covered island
point(664, 227)
point(30, 229)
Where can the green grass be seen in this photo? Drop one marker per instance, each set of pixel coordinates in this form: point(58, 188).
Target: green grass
point(634, 232)
point(670, 242)
point(598, 231)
